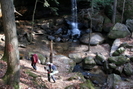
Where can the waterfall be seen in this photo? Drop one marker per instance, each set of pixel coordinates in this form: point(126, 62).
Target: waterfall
point(75, 30)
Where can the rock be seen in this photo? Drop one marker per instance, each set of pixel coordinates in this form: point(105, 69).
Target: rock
point(99, 59)
point(106, 68)
point(112, 80)
point(119, 51)
point(119, 31)
point(45, 25)
point(77, 68)
point(50, 37)
point(96, 38)
point(60, 60)
point(88, 63)
point(126, 45)
point(118, 70)
point(128, 69)
point(115, 82)
point(76, 57)
point(115, 46)
point(118, 60)
point(86, 85)
point(129, 24)
point(97, 22)
point(107, 25)
point(59, 21)
point(112, 65)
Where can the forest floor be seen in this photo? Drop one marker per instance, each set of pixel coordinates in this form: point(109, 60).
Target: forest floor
point(28, 80)
point(31, 79)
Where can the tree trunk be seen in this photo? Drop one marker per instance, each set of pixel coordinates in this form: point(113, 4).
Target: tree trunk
point(34, 14)
point(114, 11)
point(123, 10)
point(51, 51)
point(90, 25)
point(12, 76)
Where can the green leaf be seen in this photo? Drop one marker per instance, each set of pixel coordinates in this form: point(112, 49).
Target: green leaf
point(46, 4)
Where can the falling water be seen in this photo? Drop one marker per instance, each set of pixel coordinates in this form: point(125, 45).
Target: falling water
point(75, 30)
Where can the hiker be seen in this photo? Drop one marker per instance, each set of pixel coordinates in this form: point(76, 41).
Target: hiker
point(34, 60)
point(51, 70)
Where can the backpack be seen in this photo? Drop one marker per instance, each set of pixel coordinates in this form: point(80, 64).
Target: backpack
point(34, 58)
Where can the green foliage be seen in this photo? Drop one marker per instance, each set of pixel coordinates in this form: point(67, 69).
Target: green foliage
point(56, 1)
point(31, 74)
point(87, 85)
point(101, 3)
point(53, 9)
point(46, 4)
point(16, 86)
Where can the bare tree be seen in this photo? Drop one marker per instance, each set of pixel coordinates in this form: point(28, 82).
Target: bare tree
point(51, 51)
point(90, 15)
point(114, 11)
point(123, 10)
point(11, 54)
point(34, 15)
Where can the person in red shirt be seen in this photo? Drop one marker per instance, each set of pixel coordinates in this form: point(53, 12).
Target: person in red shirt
point(34, 60)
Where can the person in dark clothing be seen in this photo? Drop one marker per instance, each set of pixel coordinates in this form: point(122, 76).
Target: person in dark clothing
point(51, 70)
point(34, 60)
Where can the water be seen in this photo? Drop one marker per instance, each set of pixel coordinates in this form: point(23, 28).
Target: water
point(75, 30)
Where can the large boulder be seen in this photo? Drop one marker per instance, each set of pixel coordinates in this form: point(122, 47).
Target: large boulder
point(114, 81)
point(115, 46)
point(85, 85)
point(119, 31)
point(97, 21)
point(107, 25)
point(118, 60)
point(60, 60)
point(129, 24)
point(96, 38)
point(76, 57)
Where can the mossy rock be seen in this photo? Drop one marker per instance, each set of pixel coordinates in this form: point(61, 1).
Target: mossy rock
point(112, 65)
point(119, 51)
point(128, 69)
point(116, 53)
point(31, 74)
point(76, 77)
point(86, 85)
point(118, 60)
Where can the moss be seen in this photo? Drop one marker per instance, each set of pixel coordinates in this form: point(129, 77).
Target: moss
point(31, 74)
point(40, 56)
point(37, 81)
point(76, 77)
point(16, 86)
point(87, 85)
